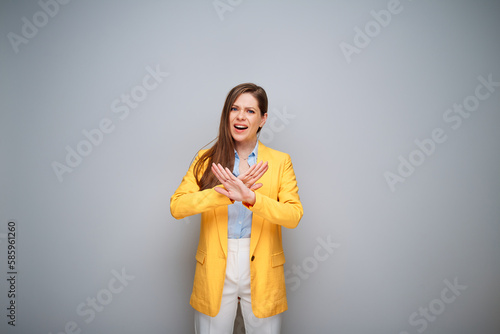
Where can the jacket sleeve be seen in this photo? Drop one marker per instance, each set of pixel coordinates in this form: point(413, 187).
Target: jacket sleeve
point(287, 209)
point(189, 200)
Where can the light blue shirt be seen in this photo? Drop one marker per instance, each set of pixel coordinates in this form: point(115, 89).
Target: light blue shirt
point(239, 224)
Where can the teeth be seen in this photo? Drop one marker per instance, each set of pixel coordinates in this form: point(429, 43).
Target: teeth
point(241, 127)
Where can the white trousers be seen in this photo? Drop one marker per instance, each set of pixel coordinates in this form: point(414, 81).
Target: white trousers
point(236, 284)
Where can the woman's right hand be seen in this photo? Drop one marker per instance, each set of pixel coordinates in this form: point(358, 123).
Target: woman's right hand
point(252, 174)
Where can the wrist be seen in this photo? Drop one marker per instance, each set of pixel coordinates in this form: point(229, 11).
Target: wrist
point(250, 199)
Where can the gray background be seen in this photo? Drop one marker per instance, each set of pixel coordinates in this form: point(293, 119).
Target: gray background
point(347, 124)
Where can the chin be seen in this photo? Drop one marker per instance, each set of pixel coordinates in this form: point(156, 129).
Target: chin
point(239, 138)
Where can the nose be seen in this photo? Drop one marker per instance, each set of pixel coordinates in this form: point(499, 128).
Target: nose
point(241, 115)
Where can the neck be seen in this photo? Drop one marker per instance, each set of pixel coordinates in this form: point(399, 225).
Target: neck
point(244, 149)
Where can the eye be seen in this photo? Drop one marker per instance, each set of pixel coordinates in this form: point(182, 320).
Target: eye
point(251, 111)
point(234, 108)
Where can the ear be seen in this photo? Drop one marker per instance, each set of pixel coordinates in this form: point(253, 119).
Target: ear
point(263, 121)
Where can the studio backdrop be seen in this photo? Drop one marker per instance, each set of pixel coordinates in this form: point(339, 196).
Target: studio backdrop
point(390, 111)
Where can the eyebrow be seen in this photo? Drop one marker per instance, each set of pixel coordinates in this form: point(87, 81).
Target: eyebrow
point(235, 105)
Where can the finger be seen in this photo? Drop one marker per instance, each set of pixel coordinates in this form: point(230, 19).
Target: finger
point(248, 171)
point(225, 176)
point(260, 167)
point(256, 186)
point(222, 191)
point(215, 170)
point(260, 173)
point(229, 174)
point(263, 168)
point(225, 173)
point(256, 167)
point(218, 174)
point(256, 170)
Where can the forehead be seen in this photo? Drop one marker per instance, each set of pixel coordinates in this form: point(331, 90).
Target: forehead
point(246, 100)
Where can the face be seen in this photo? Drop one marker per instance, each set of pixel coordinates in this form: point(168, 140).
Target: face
point(245, 119)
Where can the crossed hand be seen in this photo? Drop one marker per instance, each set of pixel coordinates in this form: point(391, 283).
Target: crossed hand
point(239, 188)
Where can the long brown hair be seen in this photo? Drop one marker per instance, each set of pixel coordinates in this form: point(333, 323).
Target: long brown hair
point(223, 150)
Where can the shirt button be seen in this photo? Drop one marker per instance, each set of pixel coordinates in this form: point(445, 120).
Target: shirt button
point(253, 257)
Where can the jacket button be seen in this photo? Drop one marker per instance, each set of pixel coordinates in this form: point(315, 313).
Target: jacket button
point(253, 257)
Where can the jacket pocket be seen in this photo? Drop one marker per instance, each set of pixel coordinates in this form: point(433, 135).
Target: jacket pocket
point(200, 256)
point(278, 259)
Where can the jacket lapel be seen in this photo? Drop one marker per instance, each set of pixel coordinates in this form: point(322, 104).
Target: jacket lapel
point(266, 180)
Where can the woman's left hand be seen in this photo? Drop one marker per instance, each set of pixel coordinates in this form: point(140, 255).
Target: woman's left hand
point(234, 188)
point(252, 174)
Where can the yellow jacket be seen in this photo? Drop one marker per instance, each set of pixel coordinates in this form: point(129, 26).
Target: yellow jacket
point(277, 204)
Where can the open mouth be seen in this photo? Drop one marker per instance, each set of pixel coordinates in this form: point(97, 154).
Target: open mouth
point(241, 127)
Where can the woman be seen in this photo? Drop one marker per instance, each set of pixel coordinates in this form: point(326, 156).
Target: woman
point(240, 254)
